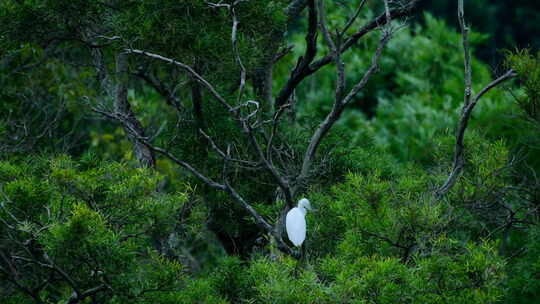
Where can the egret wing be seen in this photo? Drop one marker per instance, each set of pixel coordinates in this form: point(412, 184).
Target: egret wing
point(295, 223)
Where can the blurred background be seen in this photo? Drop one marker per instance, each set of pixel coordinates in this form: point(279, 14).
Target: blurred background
point(391, 147)
point(510, 24)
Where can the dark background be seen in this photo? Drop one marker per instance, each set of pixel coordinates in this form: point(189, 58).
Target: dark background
point(510, 23)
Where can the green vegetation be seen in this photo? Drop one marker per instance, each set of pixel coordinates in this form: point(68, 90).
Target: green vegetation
point(128, 178)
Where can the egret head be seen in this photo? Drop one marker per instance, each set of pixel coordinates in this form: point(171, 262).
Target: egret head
point(304, 204)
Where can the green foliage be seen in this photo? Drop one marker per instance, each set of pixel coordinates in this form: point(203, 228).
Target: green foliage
point(69, 224)
point(417, 95)
point(382, 238)
point(85, 224)
point(45, 20)
point(188, 36)
point(528, 68)
point(525, 284)
point(376, 237)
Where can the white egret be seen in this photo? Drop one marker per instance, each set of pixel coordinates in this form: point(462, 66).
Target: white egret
point(295, 222)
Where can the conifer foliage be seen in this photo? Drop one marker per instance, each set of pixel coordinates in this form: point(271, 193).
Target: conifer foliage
point(150, 151)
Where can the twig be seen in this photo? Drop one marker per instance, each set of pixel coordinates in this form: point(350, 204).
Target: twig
point(353, 18)
point(189, 70)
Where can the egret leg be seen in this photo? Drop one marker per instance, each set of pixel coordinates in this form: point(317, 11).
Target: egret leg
point(301, 262)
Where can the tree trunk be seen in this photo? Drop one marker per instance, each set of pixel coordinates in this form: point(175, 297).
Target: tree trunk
point(132, 126)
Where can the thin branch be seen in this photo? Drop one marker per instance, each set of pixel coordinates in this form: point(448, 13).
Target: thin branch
point(508, 75)
point(353, 18)
point(459, 152)
point(161, 88)
point(282, 53)
point(322, 25)
point(275, 121)
point(298, 75)
point(76, 298)
point(467, 53)
point(337, 109)
point(237, 57)
point(189, 70)
point(223, 154)
point(302, 69)
point(387, 12)
point(384, 238)
point(244, 121)
point(468, 106)
point(162, 151)
point(245, 126)
point(224, 187)
point(233, 110)
point(260, 221)
point(372, 69)
point(281, 181)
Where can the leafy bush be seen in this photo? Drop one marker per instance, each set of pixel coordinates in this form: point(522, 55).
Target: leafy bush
point(72, 229)
point(383, 238)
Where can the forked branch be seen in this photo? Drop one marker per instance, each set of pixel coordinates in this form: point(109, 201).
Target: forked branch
point(468, 106)
point(340, 101)
point(298, 75)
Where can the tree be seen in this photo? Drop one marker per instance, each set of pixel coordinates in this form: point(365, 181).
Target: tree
point(197, 103)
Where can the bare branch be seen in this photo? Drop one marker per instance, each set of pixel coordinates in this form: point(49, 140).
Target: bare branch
point(353, 18)
point(76, 298)
point(225, 156)
point(467, 53)
point(335, 49)
point(378, 22)
point(508, 75)
point(459, 160)
point(468, 106)
point(161, 88)
point(236, 52)
point(275, 121)
point(234, 110)
point(244, 121)
point(337, 109)
point(224, 187)
point(189, 70)
point(302, 69)
point(372, 69)
point(322, 25)
point(282, 53)
point(281, 181)
point(118, 117)
point(261, 222)
point(298, 75)
point(387, 12)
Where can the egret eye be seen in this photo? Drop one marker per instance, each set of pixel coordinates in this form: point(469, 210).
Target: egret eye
point(304, 203)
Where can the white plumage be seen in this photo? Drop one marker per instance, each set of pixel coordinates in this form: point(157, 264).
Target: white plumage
point(295, 222)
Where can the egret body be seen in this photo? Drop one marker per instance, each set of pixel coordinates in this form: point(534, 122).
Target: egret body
point(295, 222)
